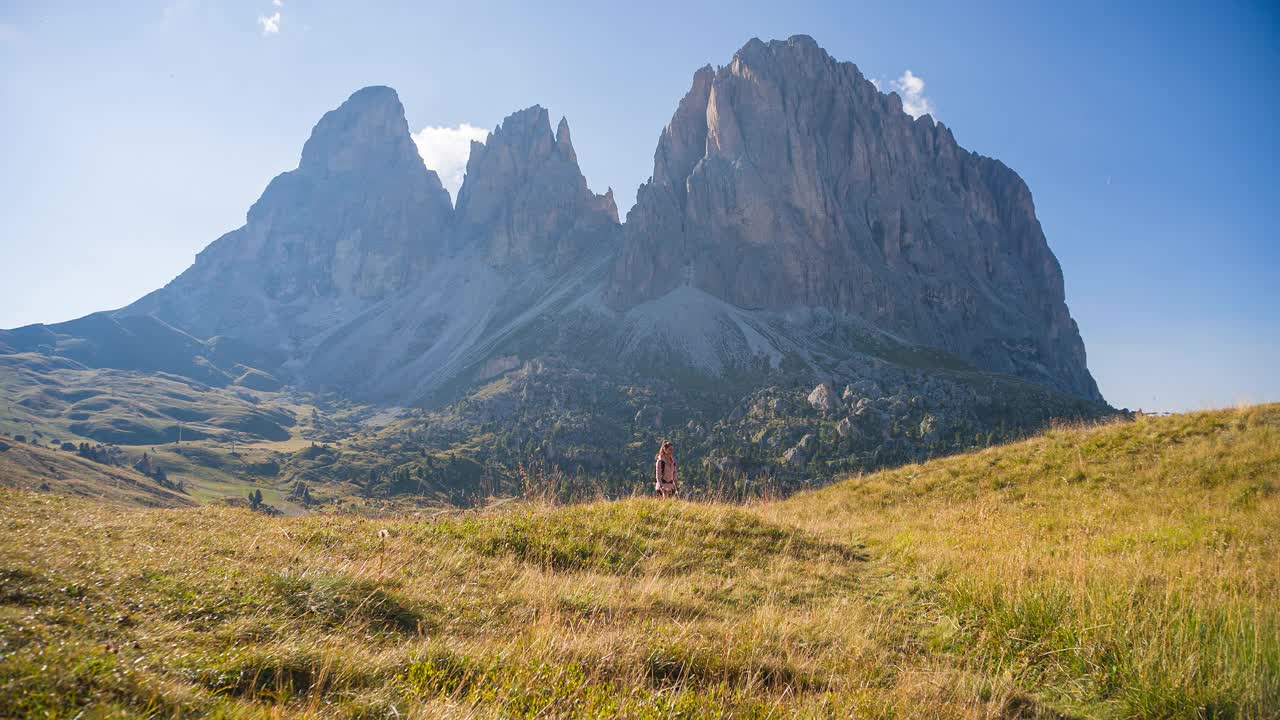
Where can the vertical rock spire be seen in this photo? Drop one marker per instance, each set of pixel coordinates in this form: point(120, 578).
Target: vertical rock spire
point(564, 145)
point(525, 201)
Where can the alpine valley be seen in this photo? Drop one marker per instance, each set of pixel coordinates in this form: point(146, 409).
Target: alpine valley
point(812, 282)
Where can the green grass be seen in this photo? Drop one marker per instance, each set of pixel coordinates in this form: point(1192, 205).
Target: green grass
point(226, 432)
point(32, 467)
point(131, 408)
point(1125, 570)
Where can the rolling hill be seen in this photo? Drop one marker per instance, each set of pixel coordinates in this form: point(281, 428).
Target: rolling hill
point(1127, 569)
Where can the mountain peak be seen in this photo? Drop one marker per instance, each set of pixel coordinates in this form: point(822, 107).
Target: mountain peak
point(804, 40)
point(359, 219)
point(524, 199)
point(684, 139)
point(530, 121)
point(373, 95)
point(798, 54)
point(368, 131)
point(564, 144)
point(800, 43)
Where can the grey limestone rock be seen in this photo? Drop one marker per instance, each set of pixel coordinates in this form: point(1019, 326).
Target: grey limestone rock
point(823, 398)
point(524, 201)
point(359, 219)
point(798, 227)
point(786, 179)
point(844, 427)
point(800, 454)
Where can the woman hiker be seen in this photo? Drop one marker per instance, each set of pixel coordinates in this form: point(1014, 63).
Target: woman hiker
point(665, 471)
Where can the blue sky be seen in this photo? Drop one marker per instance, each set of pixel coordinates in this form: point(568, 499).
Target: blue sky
point(131, 137)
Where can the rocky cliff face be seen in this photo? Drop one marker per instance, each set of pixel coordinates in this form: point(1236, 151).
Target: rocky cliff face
point(360, 219)
point(525, 202)
point(804, 287)
point(797, 222)
point(785, 180)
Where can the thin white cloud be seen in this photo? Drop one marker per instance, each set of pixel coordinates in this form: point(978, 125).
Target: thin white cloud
point(278, 3)
point(271, 24)
point(911, 88)
point(446, 149)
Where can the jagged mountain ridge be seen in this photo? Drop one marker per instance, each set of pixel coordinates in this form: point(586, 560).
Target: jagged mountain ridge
point(522, 167)
point(355, 272)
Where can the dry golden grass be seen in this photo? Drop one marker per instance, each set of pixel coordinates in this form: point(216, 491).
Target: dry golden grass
point(1127, 570)
point(1130, 570)
point(32, 467)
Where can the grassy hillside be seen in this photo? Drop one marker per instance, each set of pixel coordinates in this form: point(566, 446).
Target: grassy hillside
point(219, 442)
point(1126, 570)
point(33, 467)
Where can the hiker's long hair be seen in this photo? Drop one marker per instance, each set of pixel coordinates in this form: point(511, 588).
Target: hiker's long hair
point(666, 445)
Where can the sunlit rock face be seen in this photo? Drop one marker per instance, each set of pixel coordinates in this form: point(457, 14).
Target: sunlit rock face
point(785, 179)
